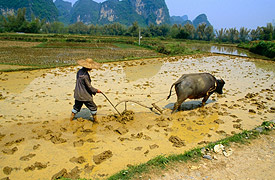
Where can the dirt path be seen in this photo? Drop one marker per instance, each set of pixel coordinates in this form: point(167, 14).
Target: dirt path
point(253, 161)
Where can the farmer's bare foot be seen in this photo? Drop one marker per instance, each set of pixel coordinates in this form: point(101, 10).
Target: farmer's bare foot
point(72, 116)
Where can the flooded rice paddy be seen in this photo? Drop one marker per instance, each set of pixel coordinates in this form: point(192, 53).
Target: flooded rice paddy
point(37, 140)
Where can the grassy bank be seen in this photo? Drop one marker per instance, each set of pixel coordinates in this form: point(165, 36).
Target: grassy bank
point(264, 48)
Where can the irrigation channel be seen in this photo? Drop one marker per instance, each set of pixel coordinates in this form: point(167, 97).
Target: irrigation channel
point(37, 140)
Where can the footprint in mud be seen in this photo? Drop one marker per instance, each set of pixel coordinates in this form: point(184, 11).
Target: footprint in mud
point(154, 146)
point(168, 130)
point(237, 126)
point(138, 149)
point(219, 121)
point(15, 142)
point(177, 142)
point(138, 136)
point(102, 156)
point(7, 170)
point(121, 130)
point(10, 151)
point(162, 124)
point(79, 160)
point(27, 157)
point(36, 165)
point(78, 143)
point(221, 132)
point(58, 140)
point(1, 136)
point(88, 169)
point(36, 146)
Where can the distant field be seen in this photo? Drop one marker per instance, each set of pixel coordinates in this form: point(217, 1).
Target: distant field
point(64, 51)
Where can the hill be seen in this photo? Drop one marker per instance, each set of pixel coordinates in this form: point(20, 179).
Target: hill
point(202, 18)
point(122, 11)
point(44, 9)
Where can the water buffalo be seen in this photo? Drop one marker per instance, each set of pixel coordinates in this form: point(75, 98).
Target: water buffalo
point(195, 86)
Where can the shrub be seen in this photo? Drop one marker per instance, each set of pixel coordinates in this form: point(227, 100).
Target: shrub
point(266, 48)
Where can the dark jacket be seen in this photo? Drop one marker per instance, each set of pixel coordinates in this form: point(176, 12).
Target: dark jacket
point(83, 88)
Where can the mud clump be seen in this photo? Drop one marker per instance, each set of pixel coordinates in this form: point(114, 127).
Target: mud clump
point(79, 160)
point(10, 151)
point(78, 143)
point(7, 170)
point(15, 142)
point(27, 157)
point(251, 95)
point(154, 146)
point(121, 130)
point(125, 117)
point(36, 146)
point(48, 135)
point(88, 168)
point(102, 157)
point(177, 142)
point(37, 165)
point(74, 174)
point(1, 135)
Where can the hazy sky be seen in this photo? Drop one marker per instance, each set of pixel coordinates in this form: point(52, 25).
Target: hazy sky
point(224, 13)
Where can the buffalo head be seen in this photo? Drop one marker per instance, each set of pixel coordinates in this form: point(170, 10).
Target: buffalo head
point(220, 84)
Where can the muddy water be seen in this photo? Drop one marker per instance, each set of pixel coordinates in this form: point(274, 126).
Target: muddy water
point(37, 140)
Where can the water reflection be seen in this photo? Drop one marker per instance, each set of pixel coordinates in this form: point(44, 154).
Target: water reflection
point(228, 50)
point(223, 50)
point(144, 70)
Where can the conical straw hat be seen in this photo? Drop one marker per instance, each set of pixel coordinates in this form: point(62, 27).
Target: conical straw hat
point(89, 63)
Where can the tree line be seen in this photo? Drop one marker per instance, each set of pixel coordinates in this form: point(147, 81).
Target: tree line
point(19, 23)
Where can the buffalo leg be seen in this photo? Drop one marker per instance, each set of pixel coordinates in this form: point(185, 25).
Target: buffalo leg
point(204, 100)
point(178, 103)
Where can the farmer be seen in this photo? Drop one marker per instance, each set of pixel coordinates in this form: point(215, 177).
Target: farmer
point(84, 91)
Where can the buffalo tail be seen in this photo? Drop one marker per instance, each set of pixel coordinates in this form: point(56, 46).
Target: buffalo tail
point(170, 91)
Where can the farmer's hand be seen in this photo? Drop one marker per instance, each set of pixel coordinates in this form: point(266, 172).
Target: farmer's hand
point(98, 91)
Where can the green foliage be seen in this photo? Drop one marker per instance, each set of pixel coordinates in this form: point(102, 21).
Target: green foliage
point(18, 23)
point(265, 48)
point(43, 9)
point(173, 49)
point(244, 34)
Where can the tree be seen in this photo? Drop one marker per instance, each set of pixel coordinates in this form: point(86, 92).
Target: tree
point(244, 34)
point(267, 32)
point(174, 30)
point(54, 27)
point(164, 30)
point(255, 34)
point(190, 29)
point(2, 24)
point(221, 35)
point(134, 29)
point(200, 32)
point(232, 34)
point(78, 28)
point(209, 33)
point(183, 34)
